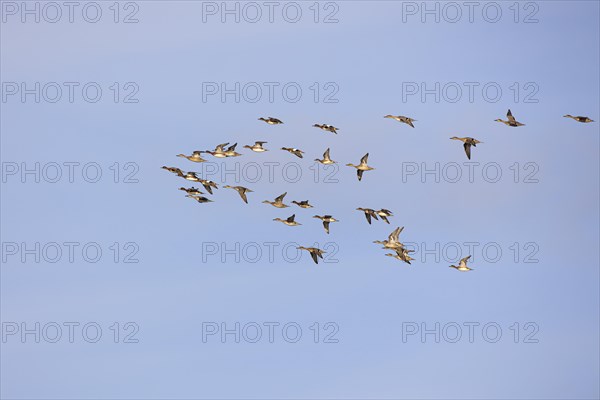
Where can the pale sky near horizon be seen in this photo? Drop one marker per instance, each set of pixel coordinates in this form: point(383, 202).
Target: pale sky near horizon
point(532, 231)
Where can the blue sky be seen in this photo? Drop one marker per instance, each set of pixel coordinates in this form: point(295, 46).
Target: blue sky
point(367, 55)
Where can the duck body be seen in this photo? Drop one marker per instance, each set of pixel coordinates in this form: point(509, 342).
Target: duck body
point(402, 255)
point(467, 143)
point(278, 203)
point(191, 190)
point(327, 219)
point(297, 152)
point(289, 221)
point(256, 147)
point(326, 159)
point(241, 191)
point(383, 213)
point(174, 170)
point(462, 265)
point(208, 185)
point(191, 176)
point(401, 118)
point(511, 120)
point(369, 213)
point(579, 118)
point(271, 120)
point(326, 127)
point(302, 204)
point(195, 157)
point(230, 152)
point(315, 253)
point(362, 167)
point(392, 241)
point(199, 199)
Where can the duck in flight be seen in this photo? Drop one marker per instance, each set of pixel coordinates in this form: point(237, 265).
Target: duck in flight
point(326, 159)
point(195, 157)
point(511, 120)
point(230, 152)
point(393, 241)
point(302, 204)
point(579, 118)
point(369, 213)
point(241, 191)
point(362, 167)
point(296, 152)
point(467, 143)
point(278, 201)
point(191, 190)
point(257, 147)
point(271, 120)
point(401, 118)
point(383, 213)
point(462, 265)
point(191, 176)
point(208, 185)
point(315, 253)
point(327, 219)
point(326, 127)
point(174, 170)
point(199, 199)
point(289, 221)
point(218, 152)
point(402, 255)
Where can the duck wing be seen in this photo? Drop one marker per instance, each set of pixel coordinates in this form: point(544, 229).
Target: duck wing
point(463, 261)
point(510, 116)
point(207, 187)
point(314, 257)
point(467, 147)
point(326, 226)
point(280, 197)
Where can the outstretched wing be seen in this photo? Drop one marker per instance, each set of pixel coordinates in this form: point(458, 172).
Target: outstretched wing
point(359, 173)
point(260, 143)
point(280, 198)
point(364, 159)
point(326, 225)
point(291, 219)
point(464, 260)
point(467, 147)
point(314, 257)
point(368, 216)
point(220, 146)
point(326, 155)
point(243, 195)
point(395, 234)
point(208, 188)
point(510, 116)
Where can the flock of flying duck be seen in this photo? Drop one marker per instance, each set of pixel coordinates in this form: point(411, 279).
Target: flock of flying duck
point(393, 244)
